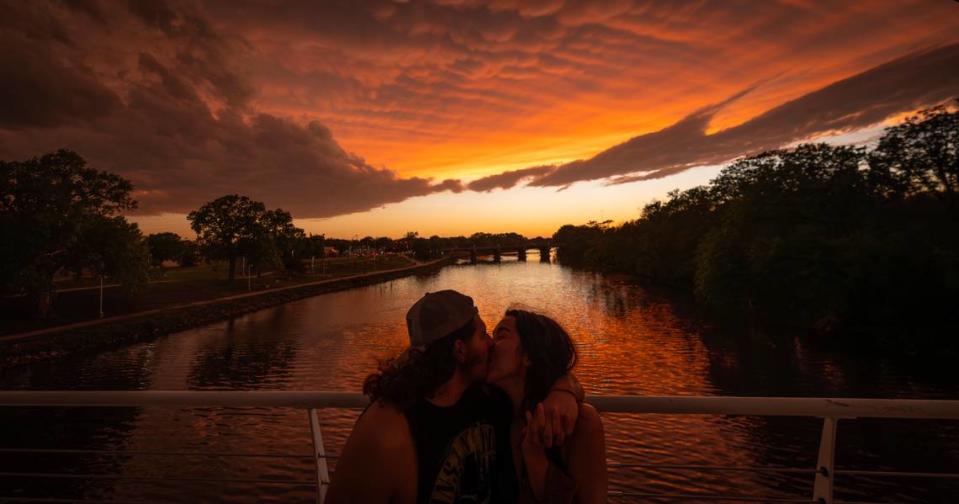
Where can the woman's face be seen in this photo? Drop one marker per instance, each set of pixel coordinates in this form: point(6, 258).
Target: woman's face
point(509, 359)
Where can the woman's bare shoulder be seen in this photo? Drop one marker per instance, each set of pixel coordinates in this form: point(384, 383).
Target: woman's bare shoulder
point(589, 419)
point(588, 432)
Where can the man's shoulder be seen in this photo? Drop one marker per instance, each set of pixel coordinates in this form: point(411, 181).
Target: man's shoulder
point(379, 444)
point(383, 425)
point(384, 411)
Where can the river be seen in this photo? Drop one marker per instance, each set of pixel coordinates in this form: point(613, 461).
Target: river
point(630, 341)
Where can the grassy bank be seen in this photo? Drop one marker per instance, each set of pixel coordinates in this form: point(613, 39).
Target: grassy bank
point(78, 300)
point(146, 324)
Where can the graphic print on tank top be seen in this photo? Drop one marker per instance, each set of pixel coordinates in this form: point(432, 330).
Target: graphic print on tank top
point(466, 474)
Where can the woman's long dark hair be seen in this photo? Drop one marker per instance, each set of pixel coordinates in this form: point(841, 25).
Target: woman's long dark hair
point(550, 351)
point(551, 355)
point(416, 373)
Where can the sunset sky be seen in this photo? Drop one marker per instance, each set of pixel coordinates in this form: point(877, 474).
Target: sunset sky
point(453, 116)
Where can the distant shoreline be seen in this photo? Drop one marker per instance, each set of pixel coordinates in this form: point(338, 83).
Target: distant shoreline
point(50, 343)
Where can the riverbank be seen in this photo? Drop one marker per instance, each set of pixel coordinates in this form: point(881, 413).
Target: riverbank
point(95, 335)
point(926, 351)
point(78, 300)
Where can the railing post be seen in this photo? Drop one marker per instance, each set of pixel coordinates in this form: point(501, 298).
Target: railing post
point(319, 456)
point(826, 464)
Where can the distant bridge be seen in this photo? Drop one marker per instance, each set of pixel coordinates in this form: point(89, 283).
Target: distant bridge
point(498, 251)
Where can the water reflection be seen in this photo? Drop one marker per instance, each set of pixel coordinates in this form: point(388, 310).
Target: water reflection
point(247, 357)
point(631, 341)
point(75, 429)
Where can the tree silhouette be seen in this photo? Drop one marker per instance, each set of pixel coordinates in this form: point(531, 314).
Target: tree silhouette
point(166, 247)
point(286, 238)
point(232, 226)
point(224, 225)
point(115, 248)
point(48, 206)
point(920, 155)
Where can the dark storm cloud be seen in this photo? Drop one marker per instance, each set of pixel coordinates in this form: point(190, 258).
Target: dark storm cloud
point(172, 114)
point(32, 88)
point(508, 179)
point(921, 79)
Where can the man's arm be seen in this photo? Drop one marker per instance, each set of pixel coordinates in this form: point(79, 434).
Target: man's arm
point(378, 463)
point(569, 384)
point(561, 408)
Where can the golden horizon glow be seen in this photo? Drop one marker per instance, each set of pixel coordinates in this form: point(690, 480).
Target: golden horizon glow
point(545, 210)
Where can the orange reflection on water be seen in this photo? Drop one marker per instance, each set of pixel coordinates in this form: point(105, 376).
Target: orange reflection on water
point(629, 340)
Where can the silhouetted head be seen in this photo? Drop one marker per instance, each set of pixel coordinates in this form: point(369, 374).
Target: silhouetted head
point(447, 336)
point(533, 349)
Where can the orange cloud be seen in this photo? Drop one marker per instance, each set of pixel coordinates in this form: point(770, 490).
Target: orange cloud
point(329, 109)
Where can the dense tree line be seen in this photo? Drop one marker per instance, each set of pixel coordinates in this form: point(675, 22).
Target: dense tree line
point(856, 241)
point(426, 248)
point(436, 246)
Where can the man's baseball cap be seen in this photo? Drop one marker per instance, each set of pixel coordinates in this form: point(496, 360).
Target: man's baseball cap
point(437, 315)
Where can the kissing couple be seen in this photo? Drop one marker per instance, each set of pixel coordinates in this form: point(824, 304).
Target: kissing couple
point(465, 417)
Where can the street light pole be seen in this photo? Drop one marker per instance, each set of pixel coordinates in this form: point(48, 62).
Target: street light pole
point(101, 296)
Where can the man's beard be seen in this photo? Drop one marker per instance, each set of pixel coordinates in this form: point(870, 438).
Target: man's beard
point(476, 367)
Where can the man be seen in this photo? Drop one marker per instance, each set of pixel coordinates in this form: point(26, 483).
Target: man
point(434, 432)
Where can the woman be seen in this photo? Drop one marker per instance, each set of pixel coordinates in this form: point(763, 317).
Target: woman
point(531, 351)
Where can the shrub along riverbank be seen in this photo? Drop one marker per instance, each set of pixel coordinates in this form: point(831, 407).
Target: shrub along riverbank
point(94, 336)
point(855, 243)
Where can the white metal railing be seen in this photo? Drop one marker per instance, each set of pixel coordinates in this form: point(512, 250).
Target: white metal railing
point(830, 410)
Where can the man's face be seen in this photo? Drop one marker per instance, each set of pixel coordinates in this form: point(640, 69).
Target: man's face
point(478, 352)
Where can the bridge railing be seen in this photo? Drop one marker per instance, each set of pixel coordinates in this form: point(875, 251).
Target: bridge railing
point(831, 411)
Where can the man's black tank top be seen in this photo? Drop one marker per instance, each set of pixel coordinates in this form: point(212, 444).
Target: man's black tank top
point(463, 452)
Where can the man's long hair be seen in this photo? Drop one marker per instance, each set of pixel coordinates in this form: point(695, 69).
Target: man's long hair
point(416, 373)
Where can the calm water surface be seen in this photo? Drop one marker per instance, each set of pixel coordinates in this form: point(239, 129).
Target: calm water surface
point(629, 341)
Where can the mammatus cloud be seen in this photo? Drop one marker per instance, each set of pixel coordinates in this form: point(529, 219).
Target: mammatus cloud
point(176, 121)
point(918, 80)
